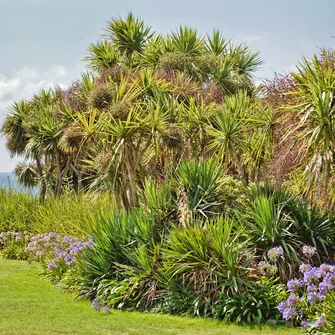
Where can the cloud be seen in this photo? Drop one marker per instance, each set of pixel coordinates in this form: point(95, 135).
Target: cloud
point(22, 84)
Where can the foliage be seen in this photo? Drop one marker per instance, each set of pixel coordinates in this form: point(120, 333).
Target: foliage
point(311, 296)
point(192, 182)
point(15, 210)
point(147, 97)
point(13, 244)
point(202, 182)
point(56, 254)
point(67, 215)
point(254, 307)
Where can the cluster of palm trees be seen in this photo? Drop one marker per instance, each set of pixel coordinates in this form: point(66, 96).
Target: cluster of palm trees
point(148, 101)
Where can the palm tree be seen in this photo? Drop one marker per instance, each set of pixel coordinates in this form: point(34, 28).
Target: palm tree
point(102, 55)
point(216, 43)
point(14, 128)
point(314, 113)
point(227, 134)
point(128, 35)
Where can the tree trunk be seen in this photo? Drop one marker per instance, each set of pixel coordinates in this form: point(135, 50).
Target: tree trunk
point(43, 187)
point(59, 179)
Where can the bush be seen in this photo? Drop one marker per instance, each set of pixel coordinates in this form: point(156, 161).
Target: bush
point(256, 306)
point(56, 253)
point(311, 297)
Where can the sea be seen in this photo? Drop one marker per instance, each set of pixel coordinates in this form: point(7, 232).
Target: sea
point(8, 180)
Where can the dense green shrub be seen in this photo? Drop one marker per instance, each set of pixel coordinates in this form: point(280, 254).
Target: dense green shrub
point(256, 306)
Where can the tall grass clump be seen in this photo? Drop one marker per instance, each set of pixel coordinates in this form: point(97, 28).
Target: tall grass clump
point(67, 215)
point(70, 215)
point(16, 209)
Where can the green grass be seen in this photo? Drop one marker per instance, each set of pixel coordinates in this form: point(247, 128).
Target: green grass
point(30, 305)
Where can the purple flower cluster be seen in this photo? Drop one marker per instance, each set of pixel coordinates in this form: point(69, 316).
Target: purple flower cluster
point(309, 251)
point(294, 285)
point(13, 237)
point(98, 305)
point(53, 250)
point(320, 322)
point(275, 253)
point(289, 308)
point(317, 324)
point(311, 289)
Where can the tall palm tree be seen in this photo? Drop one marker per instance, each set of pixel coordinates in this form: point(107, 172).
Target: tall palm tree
point(314, 113)
point(128, 35)
point(102, 55)
point(228, 133)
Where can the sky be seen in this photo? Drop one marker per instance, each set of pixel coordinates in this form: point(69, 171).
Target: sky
point(43, 42)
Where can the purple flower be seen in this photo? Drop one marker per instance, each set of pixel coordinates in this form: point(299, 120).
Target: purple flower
point(312, 275)
point(312, 288)
point(304, 267)
point(51, 266)
point(96, 304)
point(304, 324)
point(275, 253)
point(325, 268)
point(320, 322)
point(282, 306)
point(294, 285)
point(308, 250)
point(293, 300)
point(328, 282)
point(291, 312)
point(314, 297)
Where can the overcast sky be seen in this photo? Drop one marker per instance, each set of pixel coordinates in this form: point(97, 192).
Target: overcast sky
point(43, 42)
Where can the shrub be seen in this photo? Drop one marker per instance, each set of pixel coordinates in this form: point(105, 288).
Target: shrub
point(201, 180)
point(311, 296)
point(256, 306)
point(116, 239)
point(56, 253)
point(206, 262)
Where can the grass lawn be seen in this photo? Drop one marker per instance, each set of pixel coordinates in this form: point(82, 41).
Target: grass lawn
point(30, 305)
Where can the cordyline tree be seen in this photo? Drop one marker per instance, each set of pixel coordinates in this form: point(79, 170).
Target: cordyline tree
point(304, 154)
point(148, 101)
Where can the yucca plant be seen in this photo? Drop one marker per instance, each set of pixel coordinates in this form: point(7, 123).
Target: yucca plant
point(140, 287)
point(102, 55)
point(116, 240)
point(268, 225)
point(204, 262)
point(159, 200)
point(202, 182)
point(99, 262)
point(309, 224)
point(129, 35)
